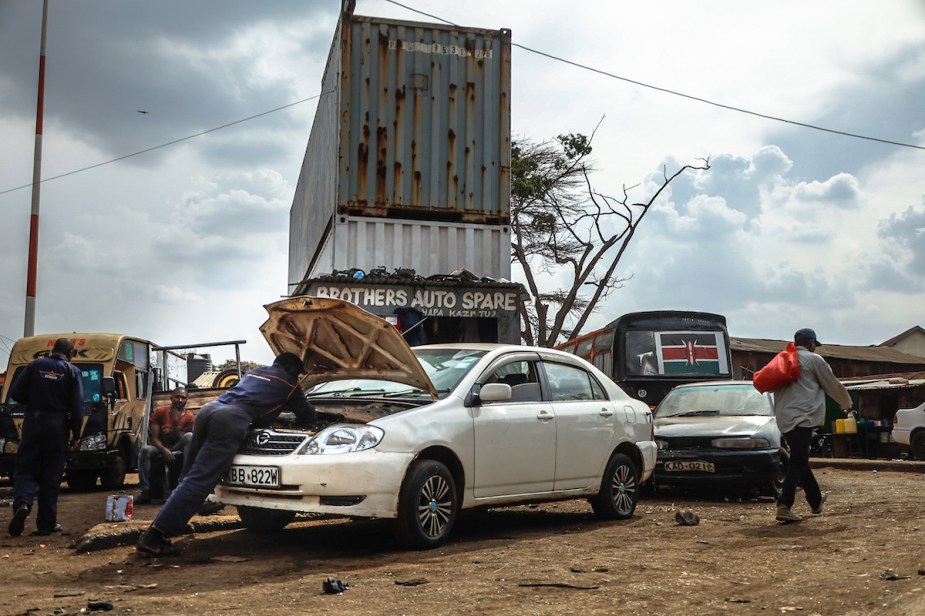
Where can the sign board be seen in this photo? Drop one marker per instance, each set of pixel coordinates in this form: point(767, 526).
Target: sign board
point(433, 301)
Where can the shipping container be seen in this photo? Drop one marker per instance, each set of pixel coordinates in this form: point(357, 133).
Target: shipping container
point(413, 123)
point(426, 247)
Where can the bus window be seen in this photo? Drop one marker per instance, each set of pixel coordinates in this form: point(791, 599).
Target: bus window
point(584, 348)
point(640, 353)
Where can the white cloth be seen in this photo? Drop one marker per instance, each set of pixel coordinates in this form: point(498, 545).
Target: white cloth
point(802, 403)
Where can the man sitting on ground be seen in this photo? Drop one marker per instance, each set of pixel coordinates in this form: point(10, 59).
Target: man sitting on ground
point(169, 433)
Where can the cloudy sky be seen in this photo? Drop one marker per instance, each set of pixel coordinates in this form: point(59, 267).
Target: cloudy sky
point(791, 227)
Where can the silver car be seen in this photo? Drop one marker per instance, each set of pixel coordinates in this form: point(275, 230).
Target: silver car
point(417, 435)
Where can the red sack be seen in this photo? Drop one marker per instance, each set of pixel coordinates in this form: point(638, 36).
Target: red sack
point(782, 370)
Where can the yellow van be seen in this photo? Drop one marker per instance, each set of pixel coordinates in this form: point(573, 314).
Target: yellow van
point(118, 383)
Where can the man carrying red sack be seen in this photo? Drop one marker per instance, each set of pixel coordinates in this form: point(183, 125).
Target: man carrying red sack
point(799, 407)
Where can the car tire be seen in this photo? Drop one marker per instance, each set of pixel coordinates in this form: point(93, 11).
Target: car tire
point(619, 489)
point(264, 520)
point(113, 477)
point(82, 480)
point(917, 445)
point(774, 487)
point(649, 488)
point(427, 505)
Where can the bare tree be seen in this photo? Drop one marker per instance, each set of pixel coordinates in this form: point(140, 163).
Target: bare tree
point(559, 221)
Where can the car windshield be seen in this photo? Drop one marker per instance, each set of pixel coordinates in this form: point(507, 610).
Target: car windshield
point(444, 367)
point(714, 400)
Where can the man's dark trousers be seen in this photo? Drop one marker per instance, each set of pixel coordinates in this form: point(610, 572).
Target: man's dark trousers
point(40, 464)
point(218, 432)
point(798, 469)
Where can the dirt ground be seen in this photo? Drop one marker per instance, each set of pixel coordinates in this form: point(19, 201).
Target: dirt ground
point(863, 555)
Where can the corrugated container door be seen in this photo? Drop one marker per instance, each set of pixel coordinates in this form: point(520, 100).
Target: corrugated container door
point(424, 122)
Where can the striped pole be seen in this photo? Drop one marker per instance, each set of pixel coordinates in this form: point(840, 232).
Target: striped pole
point(36, 186)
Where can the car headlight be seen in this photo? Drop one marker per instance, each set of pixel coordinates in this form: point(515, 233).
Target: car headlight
point(662, 445)
point(93, 443)
point(8, 446)
point(344, 439)
point(741, 443)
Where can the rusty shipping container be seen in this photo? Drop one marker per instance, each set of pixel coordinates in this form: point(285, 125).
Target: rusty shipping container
point(413, 124)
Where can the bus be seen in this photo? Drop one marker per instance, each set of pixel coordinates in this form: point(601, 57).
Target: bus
point(648, 353)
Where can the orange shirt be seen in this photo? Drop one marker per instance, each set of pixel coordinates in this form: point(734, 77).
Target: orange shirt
point(170, 431)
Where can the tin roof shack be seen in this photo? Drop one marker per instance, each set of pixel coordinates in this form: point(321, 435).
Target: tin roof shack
point(911, 341)
point(880, 396)
point(409, 152)
point(751, 354)
point(457, 308)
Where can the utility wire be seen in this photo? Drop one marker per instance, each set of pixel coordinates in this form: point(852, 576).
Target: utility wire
point(525, 48)
point(169, 143)
point(676, 93)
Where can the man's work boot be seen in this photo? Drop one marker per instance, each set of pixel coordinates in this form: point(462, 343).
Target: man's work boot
point(18, 523)
point(154, 543)
point(41, 532)
point(785, 515)
point(143, 498)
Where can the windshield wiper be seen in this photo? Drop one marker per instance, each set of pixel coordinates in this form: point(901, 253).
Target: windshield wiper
point(693, 413)
point(346, 393)
point(404, 392)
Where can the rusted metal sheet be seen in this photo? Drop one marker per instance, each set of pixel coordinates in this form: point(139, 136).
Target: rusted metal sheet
point(413, 123)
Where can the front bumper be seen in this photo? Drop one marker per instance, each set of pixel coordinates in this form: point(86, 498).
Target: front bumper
point(649, 451)
point(7, 465)
point(902, 436)
point(91, 460)
point(360, 484)
point(731, 467)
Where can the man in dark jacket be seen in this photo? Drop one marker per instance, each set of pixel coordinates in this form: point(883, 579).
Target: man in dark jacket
point(50, 388)
point(218, 433)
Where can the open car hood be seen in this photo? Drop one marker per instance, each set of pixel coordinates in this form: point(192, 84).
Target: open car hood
point(338, 340)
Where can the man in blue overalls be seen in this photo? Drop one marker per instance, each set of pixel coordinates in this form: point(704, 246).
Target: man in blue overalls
point(218, 433)
point(51, 390)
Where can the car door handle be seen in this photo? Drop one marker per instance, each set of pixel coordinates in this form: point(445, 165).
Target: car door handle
point(545, 416)
point(606, 412)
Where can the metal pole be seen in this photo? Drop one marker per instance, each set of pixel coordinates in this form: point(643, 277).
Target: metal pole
point(29, 328)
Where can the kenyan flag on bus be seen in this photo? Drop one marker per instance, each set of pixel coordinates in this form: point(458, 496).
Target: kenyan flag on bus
point(695, 352)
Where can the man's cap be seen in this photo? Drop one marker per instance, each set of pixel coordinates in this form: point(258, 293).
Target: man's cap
point(806, 335)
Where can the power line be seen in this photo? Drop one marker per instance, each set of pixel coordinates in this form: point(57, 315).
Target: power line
point(169, 143)
point(525, 48)
point(681, 94)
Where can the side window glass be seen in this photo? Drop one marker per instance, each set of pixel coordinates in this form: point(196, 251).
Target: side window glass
point(121, 388)
point(596, 390)
point(569, 383)
point(521, 376)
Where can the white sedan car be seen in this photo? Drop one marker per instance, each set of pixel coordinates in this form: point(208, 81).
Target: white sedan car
point(909, 430)
point(419, 434)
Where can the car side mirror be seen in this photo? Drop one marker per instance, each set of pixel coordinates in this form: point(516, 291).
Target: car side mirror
point(495, 392)
point(108, 386)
